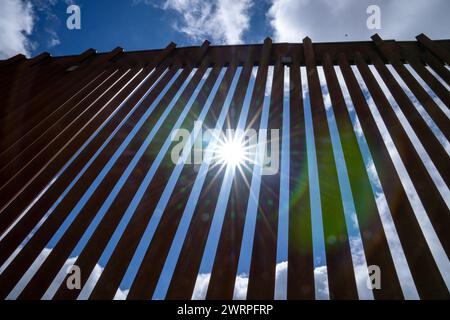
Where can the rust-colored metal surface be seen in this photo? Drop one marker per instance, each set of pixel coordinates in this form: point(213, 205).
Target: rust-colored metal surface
point(87, 176)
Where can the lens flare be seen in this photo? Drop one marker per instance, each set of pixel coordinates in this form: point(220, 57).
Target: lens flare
point(232, 150)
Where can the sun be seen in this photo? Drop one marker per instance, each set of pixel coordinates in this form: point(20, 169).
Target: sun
point(231, 150)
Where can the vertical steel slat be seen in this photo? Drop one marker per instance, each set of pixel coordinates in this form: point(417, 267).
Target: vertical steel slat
point(56, 260)
point(224, 269)
point(437, 66)
point(434, 203)
point(39, 125)
point(393, 55)
point(29, 113)
point(187, 266)
point(18, 157)
point(59, 114)
point(417, 252)
point(152, 263)
point(300, 282)
point(39, 58)
point(14, 183)
point(150, 199)
point(83, 56)
point(145, 281)
point(339, 263)
point(434, 84)
point(122, 254)
point(82, 137)
point(374, 240)
point(48, 114)
point(21, 201)
point(261, 282)
point(40, 105)
point(435, 48)
point(58, 68)
point(429, 284)
point(77, 59)
point(109, 280)
point(221, 283)
point(35, 70)
point(418, 255)
point(28, 119)
point(11, 61)
point(44, 234)
point(29, 139)
point(103, 112)
point(47, 88)
point(432, 145)
point(30, 78)
point(23, 119)
point(188, 262)
point(33, 79)
point(10, 65)
point(90, 254)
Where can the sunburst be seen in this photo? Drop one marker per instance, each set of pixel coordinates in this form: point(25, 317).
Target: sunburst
point(233, 150)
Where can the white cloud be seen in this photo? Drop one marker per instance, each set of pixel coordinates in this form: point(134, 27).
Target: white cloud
point(241, 284)
point(91, 282)
point(201, 286)
point(328, 20)
point(59, 279)
point(240, 287)
point(54, 39)
point(16, 23)
point(222, 21)
point(281, 280)
point(321, 283)
point(121, 294)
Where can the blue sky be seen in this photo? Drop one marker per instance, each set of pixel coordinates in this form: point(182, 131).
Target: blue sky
point(33, 26)
point(133, 25)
